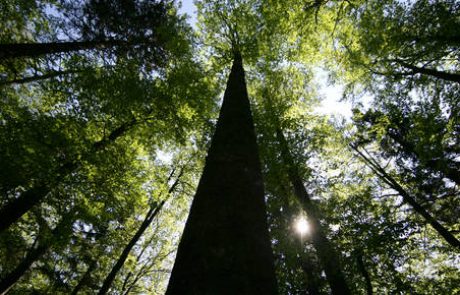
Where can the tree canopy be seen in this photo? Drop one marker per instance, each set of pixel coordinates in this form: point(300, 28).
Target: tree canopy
point(108, 109)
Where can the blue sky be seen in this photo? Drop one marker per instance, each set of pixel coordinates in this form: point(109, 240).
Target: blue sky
point(189, 8)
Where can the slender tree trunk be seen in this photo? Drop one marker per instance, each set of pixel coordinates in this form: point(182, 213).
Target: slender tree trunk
point(31, 50)
point(311, 276)
point(85, 278)
point(34, 254)
point(17, 207)
point(327, 255)
point(362, 269)
point(150, 216)
point(36, 78)
point(435, 165)
point(381, 173)
point(402, 286)
point(124, 255)
point(449, 40)
point(454, 77)
point(225, 247)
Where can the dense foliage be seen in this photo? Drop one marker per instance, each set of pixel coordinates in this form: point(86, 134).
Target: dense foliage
point(107, 109)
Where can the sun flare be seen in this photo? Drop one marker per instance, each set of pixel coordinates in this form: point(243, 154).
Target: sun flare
point(302, 226)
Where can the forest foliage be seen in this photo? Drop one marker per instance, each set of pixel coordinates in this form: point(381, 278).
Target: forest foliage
point(107, 109)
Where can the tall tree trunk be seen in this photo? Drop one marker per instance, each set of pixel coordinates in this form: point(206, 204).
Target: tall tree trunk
point(225, 247)
point(327, 255)
point(149, 217)
point(17, 207)
point(407, 198)
point(31, 50)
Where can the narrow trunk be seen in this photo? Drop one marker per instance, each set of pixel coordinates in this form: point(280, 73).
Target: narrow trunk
point(402, 286)
point(31, 50)
point(16, 208)
point(35, 253)
point(435, 165)
point(454, 77)
point(225, 247)
point(121, 260)
point(85, 278)
point(362, 269)
point(35, 78)
point(311, 277)
point(385, 177)
point(327, 255)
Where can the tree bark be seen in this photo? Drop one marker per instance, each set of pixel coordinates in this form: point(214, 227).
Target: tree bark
point(225, 246)
point(32, 50)
point(17, 207)
point(327, 255)
point(124, 255)
point(383, 175)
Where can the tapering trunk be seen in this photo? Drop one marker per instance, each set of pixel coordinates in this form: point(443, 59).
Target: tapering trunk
point(328, 257)
point(149, 217)
point(225, 247)
point(32, 50)
point(409, 199)
point(17, 207)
